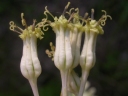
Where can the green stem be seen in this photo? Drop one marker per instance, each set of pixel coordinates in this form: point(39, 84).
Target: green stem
point(33, 84)
point(64, 76)
point(83, 82)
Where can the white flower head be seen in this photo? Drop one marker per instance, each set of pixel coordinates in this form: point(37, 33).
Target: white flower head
point(30, 64)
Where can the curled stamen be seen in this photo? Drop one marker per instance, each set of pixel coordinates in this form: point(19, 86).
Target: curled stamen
point(85, 17)
point(66, 7)
point(71, 17)
point(77, 10)
point(11, 23)
point(87, 21)
point(104, 18)
point(109, 17)
point(76, 16)
point(92, 13)
point(70, 11)
point(44, 20)
point(47, 11)
point(33, 25)
point(102, 22)
point(23, 20)
point(19, 28)
point(41, 24)
point(45, 26)
point(105, 13)
point(13, 27)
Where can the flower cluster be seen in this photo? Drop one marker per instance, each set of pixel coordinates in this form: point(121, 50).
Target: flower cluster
point(66, 52)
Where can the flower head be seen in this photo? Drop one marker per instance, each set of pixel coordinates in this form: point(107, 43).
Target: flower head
point(68, 41)
point(30, 64)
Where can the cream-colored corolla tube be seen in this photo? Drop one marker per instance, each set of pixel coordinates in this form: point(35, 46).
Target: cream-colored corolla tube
point(84, 49)
point(90, 57)
point(56, 54)
point(76, 43)
point(67, 62)
point(62, 57)
point(35, 60)
point(31, 69)
point(23, 61)
point(68, 49)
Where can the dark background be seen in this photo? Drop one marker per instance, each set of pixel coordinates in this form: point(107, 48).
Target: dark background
point(109, 75)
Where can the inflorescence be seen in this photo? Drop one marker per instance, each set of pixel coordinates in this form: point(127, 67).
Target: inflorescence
point(66, 52)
